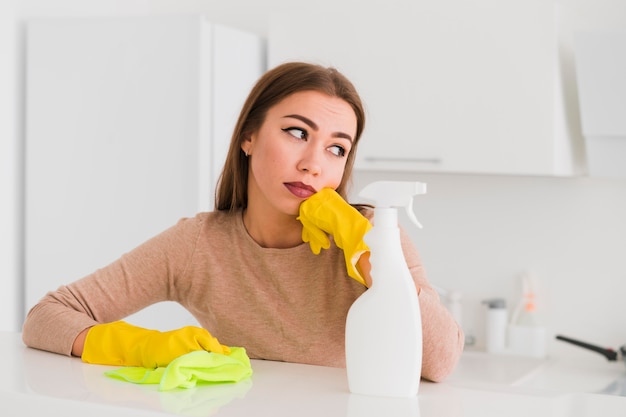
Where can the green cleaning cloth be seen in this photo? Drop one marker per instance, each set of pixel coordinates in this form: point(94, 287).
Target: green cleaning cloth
point(190, 369)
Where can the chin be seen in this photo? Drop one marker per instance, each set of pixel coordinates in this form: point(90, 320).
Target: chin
point(294, 210)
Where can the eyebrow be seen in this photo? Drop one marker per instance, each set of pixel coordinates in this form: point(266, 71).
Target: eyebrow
point(314, 126)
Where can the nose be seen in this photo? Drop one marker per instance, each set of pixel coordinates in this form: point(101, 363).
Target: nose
point(310, 163)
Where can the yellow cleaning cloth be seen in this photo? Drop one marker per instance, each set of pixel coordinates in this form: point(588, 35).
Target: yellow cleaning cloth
point(191, 369)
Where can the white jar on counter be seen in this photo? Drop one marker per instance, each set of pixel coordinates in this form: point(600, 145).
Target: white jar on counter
point(496, 325)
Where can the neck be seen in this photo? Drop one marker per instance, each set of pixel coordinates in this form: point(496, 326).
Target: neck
point(279, 231)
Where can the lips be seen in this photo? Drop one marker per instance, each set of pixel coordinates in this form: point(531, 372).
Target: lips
point(300, 189)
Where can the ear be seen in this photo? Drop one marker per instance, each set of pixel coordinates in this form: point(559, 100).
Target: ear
point(246, 144)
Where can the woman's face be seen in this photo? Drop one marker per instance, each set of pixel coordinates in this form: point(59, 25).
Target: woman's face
point(301, 147)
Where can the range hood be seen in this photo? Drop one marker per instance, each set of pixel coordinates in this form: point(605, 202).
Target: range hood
point(600, 59)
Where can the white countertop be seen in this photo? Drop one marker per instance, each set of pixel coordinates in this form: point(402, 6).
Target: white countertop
point(482, 385)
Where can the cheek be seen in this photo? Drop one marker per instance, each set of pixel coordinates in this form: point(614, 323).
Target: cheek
point(335, 175)
point(272, 149)
point(267, 162)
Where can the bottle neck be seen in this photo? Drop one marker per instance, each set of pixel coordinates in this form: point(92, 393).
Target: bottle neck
point(386, 217)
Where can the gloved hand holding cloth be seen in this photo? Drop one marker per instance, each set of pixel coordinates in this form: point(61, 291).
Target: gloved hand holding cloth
point(178, 358)
point(326, 212)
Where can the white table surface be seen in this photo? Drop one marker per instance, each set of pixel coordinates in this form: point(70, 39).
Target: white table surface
point(36, 382)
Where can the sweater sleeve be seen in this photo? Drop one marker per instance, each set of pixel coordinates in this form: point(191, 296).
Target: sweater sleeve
point(139, 278)
point(443, 338)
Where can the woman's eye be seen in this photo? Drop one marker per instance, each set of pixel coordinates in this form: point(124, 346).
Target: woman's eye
point(296, 132)
point(338, 150)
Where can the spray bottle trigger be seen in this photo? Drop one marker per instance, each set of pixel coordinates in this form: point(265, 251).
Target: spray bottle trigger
point(411, 214)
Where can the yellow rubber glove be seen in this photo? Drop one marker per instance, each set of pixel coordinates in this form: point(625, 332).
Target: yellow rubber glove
point(327, 212)
point(120, 343)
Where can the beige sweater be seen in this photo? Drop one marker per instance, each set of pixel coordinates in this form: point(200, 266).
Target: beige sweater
point(280, 304)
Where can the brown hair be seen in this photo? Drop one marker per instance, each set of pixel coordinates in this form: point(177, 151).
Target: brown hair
point(271, 88)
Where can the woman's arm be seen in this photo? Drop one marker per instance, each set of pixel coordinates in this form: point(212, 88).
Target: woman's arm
point(141, 277)
point(443, 338)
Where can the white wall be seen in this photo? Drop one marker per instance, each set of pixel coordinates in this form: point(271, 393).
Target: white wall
point(10, 171)
point(480, 232)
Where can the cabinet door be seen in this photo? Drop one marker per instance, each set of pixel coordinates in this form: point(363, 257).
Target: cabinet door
point(449, 86)
point(237, 62)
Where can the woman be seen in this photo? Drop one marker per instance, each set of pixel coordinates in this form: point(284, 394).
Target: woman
point(245, 270)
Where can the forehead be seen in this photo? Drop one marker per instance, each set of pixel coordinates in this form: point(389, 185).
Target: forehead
point(316, 103)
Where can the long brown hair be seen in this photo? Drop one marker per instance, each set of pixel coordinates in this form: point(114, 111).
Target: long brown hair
point(271, 88)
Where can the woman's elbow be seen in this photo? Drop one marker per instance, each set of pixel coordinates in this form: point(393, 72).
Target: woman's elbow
point(443, 359)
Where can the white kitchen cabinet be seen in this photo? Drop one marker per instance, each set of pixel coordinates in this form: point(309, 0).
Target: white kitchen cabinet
point(128, 120)
point(451, 86)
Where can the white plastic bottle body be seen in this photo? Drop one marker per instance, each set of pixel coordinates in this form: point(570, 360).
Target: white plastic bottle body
point(497, 323)
point(383, 327)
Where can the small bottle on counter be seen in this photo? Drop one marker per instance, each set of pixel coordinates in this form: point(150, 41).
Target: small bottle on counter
point(497, 322)
point(527, 337)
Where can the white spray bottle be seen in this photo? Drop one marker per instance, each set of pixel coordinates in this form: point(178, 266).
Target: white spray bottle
point(384, 327)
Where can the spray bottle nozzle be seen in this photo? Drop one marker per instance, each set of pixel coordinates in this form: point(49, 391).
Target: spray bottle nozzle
point(395, 194)
point(411, 214)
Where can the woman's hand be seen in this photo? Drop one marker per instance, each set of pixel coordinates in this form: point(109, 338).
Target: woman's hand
point(326, 212)
point(123, 344)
